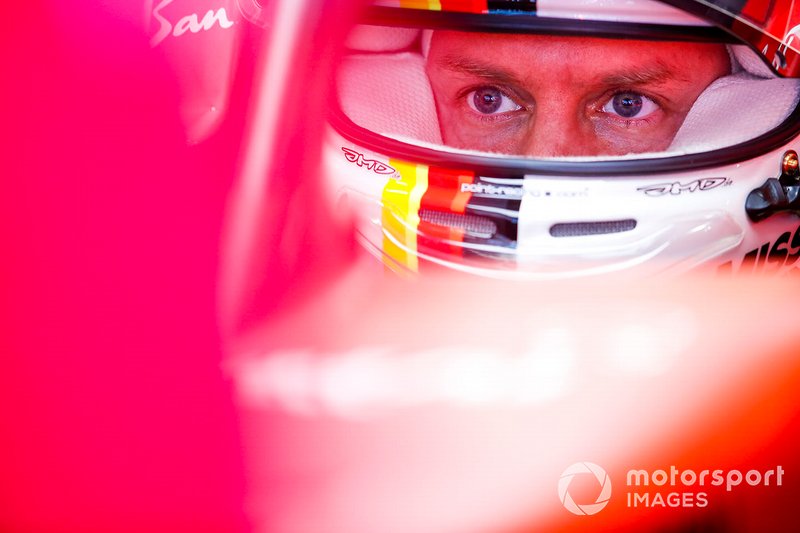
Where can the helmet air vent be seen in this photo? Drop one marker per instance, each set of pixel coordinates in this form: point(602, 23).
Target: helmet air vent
point(582, 229)
point(476, 226)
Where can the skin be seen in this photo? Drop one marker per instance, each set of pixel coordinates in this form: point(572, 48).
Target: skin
point(547, 96)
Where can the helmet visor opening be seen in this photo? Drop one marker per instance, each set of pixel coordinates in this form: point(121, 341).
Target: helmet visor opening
point(558, 95)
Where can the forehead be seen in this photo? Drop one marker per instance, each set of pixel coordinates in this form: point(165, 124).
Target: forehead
point(536, 55)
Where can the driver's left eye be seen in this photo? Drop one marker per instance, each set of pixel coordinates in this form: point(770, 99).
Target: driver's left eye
point(630, 105)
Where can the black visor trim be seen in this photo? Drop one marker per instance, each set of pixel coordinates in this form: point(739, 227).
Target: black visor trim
point(528, 23)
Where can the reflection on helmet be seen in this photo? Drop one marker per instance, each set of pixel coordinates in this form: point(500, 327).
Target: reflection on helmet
point(542, 140)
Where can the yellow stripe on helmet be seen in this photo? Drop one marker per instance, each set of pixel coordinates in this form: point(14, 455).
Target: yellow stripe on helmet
point(432, 5)
point(400, 215)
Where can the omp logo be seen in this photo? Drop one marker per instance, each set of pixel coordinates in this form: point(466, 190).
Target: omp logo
point(191, 23)
point(369, 164)
point(585, 508)
point(676, 187)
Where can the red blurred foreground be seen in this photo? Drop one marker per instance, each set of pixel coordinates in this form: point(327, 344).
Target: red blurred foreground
point(454, 406)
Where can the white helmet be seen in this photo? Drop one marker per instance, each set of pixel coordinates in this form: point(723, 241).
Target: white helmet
point(681, 153)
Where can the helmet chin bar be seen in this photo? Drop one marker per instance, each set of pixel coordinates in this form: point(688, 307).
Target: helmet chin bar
point(777, 195)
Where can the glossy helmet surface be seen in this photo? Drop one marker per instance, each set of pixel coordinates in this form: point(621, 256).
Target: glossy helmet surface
point(723, 194)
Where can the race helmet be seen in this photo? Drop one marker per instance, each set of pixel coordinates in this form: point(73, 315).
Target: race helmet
point(541, 139)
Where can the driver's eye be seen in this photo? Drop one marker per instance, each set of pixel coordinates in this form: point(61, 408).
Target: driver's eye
point(630, 105)
point(490, 101)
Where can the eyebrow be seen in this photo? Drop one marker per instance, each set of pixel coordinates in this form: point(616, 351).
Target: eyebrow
point(647, 75)
point(479, 69)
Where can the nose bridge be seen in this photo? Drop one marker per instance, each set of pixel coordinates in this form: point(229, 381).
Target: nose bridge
point(557, 129)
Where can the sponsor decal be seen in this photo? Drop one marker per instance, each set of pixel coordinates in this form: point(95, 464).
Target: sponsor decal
point(493, 190)
point(192, 23)
point(559, 193)
point(790, 42)
point(370, 164)
point(783, 252)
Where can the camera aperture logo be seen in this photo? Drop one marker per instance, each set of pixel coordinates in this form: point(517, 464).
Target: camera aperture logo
point(584, 508)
